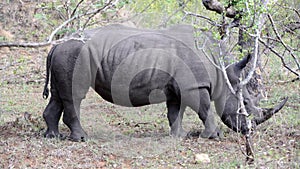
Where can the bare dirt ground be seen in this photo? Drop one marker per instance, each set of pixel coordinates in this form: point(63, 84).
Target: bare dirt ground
point(127, 137)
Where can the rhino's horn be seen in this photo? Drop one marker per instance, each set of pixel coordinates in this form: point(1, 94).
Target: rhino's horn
point(269, 112)
point(242, 64)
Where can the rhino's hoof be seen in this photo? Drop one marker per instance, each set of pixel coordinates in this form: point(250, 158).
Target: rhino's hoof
point(53, 134)
point(179, 134)
point(78, 137)
point(216, 135)
point(193, 134)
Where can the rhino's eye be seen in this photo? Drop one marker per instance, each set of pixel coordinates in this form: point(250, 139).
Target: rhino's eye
point(247, 101)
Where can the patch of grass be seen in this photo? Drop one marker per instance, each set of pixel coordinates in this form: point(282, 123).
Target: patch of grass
point(116, 141)
point(18, 98)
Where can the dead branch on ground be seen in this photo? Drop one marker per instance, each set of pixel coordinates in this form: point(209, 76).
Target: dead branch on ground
point(50, 40)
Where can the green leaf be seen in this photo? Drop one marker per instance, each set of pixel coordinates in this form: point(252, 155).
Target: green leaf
point(39, 16)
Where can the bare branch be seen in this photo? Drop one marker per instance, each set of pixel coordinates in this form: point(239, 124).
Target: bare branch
point(181, 7)
point(223, 68)
point(281, 58)
point(251, 72)
point(137, 14)
point(210, 60)
point(282, 42)
point(259, 23)
point(75, 9)
point(297, 12)
point(249, 13)
point(227, 79)
point(292, 9)
point(270, 38)
point(203, 17)
point(142, 11)
point(220, 65)
point(50, 39)
point(93, 13)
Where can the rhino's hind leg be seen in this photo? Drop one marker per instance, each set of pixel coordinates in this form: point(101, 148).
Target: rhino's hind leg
point(175, 115)
point(71, 118)
point(52, 114)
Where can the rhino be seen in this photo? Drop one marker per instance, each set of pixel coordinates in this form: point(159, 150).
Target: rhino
point(136, 67)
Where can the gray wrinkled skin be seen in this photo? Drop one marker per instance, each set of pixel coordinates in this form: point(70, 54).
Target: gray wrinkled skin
point(135, 67)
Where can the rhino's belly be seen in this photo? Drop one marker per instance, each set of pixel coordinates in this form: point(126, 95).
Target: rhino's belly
point(150, 86)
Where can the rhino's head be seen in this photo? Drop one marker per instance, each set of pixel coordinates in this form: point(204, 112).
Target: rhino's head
point(231, 114)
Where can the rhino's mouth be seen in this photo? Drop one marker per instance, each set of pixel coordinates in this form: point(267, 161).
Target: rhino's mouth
point(267, 113)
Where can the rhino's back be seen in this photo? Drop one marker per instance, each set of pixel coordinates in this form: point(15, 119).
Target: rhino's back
point(134, 64)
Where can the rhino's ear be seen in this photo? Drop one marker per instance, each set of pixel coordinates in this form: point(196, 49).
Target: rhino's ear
point(239, 66)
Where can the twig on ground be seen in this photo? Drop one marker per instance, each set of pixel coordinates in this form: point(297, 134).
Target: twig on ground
point(290, 81)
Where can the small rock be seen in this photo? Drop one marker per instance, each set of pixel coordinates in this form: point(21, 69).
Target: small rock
point(202, 158)
point(4, 49)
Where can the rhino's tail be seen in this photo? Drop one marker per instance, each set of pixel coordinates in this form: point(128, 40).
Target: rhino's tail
point(48, 66)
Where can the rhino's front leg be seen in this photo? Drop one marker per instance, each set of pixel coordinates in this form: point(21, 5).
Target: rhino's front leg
point(211, 130)
point(175, 115)
point(207, 116)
